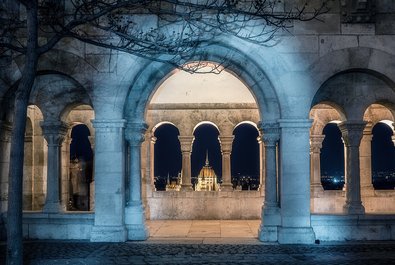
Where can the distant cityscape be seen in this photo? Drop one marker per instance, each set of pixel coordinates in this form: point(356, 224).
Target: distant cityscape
point(382, 180)
point(240, 182)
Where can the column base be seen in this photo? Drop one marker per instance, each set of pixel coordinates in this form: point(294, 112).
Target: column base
point(226, 187)
point(316, 188)
point(296, 235)
point(354, 208)
point(135, 222)
point(186, 187)
point(52, 207)
point(108, 234)
point(268, 233)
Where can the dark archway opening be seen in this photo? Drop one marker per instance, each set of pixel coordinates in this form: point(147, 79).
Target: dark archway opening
point(206, 142)
point(332, 158)
point(245, 158)
point(383, 157)
point(167, 156)
point(81, 168)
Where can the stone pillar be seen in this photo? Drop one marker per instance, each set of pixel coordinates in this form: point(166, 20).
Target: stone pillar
point(270, 209)
point(226, 150)
point(134, 212)
point(28, 170)
point(365, 158)
point(54, 133)
point(186, 150)
point(352, 132)
point(152, 161)
point(5, 145)
point(295, 182)
point(315, 163)
point(92, 184)
point(109, 171)
point(262, 168)
point(65, 186)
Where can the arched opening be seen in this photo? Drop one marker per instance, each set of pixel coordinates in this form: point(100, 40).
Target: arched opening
point(245, 158)
point(332, 158)
point(167, 161)
point(383, 156)
point(206, 151)
point(81, 169)
point(77, 191)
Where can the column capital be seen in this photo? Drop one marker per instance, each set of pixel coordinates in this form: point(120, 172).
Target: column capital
point(186, 143)
point(226, 143)
point(352, 132)
point(54, 131)
point(153, 139)
point(270, 132)
point(316, 142)
point(135, 133)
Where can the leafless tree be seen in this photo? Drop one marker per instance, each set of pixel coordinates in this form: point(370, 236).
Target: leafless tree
point(169, 31)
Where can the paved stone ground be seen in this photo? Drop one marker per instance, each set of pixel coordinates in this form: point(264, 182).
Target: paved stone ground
point(77, 252)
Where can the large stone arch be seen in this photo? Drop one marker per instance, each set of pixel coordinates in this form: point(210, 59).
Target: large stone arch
point(149, 79)
point(355, 90)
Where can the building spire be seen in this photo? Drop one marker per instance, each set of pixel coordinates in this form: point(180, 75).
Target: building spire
point(207, 162)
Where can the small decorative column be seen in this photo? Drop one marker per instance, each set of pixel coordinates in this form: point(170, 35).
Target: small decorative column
point(270, 209)
point(295, 182)
point(134, 211)
point(186, 150)
point(152, 161)
point(262, 168)
point(92, 184)
point(315, 163)
point(5, 145)
point(109, 171)
point(54, 133)
point(352, 132)
point(65, 183)
point(226, 150)
point(365, 158)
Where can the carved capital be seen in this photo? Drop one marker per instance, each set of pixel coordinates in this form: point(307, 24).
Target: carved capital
point(186, 143)
point(135, 133)
point(352, 132)
point(270, 133)
point(226, 143)
point(316, 143)
point(54, 131)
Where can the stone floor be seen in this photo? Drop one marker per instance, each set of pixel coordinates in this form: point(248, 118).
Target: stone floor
point(203, 242)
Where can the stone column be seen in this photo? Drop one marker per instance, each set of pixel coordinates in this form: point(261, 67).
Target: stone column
point(365, 158)
point(295, 182)
point(315, 163)
point(262, 168)
point(152, 161)
point(54, 133)
point(134, 211)
point(226, 150)
point(65, 184)
point(28, 170)
point(270, 209)
point(92, 184)
point(109, 171)
point(352, 132)
point(186, 150)
point(5, 145)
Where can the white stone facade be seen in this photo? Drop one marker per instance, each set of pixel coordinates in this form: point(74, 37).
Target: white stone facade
point(335, 70)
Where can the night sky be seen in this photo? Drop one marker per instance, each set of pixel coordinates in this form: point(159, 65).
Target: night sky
point(383, 150)
point(80, 146)
point(332, 152)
